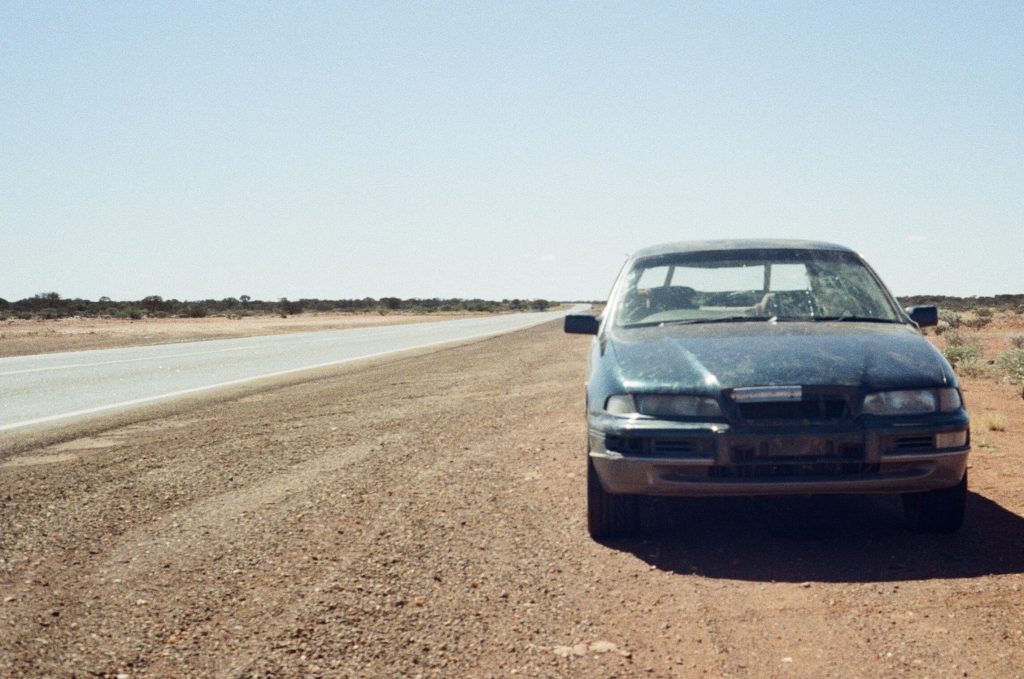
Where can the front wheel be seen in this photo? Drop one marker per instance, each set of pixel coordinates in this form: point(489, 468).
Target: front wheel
point(937, 511)
point(608, 515)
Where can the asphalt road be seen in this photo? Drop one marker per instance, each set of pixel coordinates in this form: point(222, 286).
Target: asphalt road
point(52, 389)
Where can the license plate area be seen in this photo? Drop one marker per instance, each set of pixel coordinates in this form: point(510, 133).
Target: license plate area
point(795, 448)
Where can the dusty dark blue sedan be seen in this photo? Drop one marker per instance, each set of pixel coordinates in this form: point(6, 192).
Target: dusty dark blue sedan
point(765, 368)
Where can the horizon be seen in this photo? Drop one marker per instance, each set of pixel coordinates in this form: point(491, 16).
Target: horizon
point(278, 300)
point(496, 150)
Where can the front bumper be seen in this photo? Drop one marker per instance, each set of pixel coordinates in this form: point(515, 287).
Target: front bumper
point(660, 457)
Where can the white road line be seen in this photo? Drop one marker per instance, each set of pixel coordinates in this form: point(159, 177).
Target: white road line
point(229, 383)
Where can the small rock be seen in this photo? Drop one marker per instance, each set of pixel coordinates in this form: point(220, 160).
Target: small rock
point(603, 647)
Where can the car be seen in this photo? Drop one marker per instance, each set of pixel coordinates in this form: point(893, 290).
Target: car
point(767, 367)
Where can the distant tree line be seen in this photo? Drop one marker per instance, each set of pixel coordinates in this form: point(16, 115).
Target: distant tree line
point(48, 305)
point(995, 302)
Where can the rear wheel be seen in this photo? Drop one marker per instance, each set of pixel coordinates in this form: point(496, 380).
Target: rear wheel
point(937, 511)
point(608, 515)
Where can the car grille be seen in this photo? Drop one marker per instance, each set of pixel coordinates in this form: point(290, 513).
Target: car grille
point(812, 409)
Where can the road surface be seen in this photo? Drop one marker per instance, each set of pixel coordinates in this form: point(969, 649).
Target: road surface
point(56, 388)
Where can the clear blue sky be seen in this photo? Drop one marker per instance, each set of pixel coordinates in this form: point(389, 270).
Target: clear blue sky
point(499, 150)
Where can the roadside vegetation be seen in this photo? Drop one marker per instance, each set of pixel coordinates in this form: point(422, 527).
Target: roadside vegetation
point(992, 304)
point(982, 342)
point(50, 305)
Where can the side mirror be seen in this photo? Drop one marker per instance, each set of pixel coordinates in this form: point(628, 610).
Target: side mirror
point(579, 324)
point(925, 316)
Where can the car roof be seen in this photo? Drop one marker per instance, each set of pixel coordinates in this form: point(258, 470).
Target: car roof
point(738, 244)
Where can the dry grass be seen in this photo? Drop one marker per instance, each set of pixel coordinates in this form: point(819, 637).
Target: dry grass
point(992, 422)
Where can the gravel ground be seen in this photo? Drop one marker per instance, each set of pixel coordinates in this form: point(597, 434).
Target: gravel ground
point(425, 517)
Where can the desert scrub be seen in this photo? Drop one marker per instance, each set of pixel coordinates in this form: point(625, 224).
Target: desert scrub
point(963, 352)
point(982, 316)
point(992, 422)
point(1016, 340)
point(950, 317)
point(1011, 364)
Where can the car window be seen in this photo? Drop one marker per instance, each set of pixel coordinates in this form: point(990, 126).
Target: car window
point(652, 277)
point(786, 277)
point(782, 284)
point(720, 279)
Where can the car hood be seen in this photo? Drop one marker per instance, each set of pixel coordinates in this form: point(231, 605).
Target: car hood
point(711, 357)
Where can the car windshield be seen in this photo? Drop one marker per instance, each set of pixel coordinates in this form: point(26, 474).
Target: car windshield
point(751, 285)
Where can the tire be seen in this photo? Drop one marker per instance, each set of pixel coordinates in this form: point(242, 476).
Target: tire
point(937, 511)
point(608, 515)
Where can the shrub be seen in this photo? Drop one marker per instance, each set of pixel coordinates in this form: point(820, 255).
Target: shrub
point(956, 338)
point(130, 313)
point(941, 327)
point(982, 316)
point(964, 353)
point(1016, 341)
point(196, 311)
point(972, 367)
point(1011, 364)
point(949, 316)
point(992, 422)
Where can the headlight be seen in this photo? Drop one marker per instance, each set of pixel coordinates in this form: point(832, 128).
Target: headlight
point(912, 402)
point(663, 405)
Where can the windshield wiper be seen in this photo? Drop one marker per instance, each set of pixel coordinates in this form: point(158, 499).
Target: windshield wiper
point(695, 321)
point(856, 319)
point(723, 319)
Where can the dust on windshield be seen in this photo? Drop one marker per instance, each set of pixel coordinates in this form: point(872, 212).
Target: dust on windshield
point(781, 285)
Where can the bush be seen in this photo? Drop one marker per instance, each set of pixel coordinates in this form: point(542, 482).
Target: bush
point(981, 317)
point(964, 353)
point(130, 313)
point(955, 338)
point(951, 317)
point(196, 311)
point(941, 327)
point(1011, 364)
point(1016, 341)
